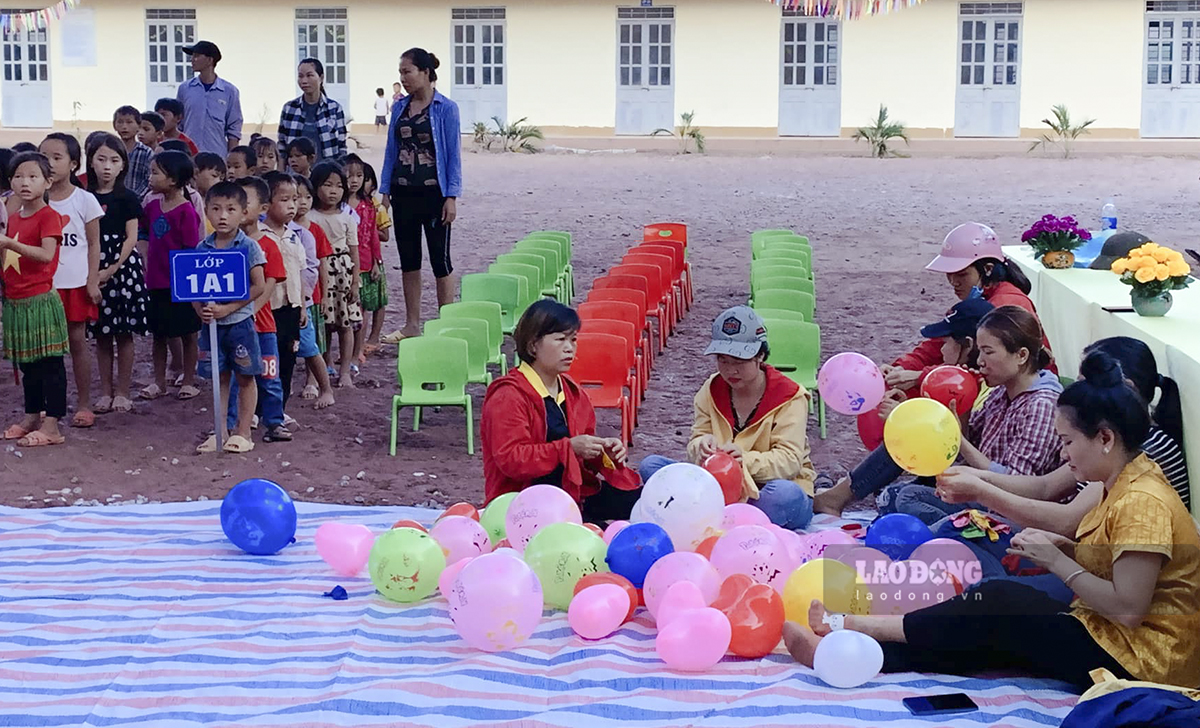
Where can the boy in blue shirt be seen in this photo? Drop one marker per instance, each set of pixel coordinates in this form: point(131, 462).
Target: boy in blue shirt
point(237, 354)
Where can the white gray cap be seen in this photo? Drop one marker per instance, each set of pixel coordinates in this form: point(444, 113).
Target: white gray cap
point(738, 332)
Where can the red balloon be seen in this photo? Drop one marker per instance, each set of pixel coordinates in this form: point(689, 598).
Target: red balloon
point(755, 612)
point(461, 509)
point(870, 429)
point(594, 529)
point(706, 546)
point(407, 523)
point(728, 473)
point(948, 384)
point(607, 577)
point(504, 544)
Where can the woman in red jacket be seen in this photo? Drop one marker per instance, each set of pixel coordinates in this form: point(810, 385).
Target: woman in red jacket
point(539, 426)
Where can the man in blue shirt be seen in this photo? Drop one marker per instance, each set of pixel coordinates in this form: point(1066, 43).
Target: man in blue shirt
point(212, 107)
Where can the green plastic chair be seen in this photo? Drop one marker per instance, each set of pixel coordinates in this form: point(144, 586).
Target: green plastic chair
point(555, 253)
point(489, 312)
point(778, 238)
point(779, 314)
point(760, 268)
point(785, 281)
point(564, 239)
point(796, 351)
point(541, 260)
point(787, 299)
point(763, 234)
point(508, 291)
point(528, 273)
point(438, 361)
point(475, 333)
point(787, 251)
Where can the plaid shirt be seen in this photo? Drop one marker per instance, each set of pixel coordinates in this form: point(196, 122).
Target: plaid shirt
point(1018, 435)
point(331, 124)
point(138, 179)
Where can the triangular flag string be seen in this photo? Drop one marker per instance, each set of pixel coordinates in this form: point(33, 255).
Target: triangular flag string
point(845, 9)
point(36, 19)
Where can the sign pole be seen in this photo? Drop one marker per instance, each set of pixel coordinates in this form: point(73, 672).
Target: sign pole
point(214, 357)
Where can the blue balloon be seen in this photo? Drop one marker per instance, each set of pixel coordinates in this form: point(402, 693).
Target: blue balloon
point(897, 535)
point(635, 548)
point(258, 516)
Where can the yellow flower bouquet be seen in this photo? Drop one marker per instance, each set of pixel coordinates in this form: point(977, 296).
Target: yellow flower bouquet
point(1153, 271)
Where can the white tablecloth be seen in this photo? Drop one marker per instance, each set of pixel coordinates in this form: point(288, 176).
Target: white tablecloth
point(1071, 306)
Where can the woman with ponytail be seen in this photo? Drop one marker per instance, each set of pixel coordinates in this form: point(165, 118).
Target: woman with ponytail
point(313, 115)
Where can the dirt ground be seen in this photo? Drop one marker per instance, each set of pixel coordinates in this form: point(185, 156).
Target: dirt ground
point(873, 225)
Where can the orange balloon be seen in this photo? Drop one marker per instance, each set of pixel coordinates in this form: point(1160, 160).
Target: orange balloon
point(607, 577)
point(408, 523)
point(755, 613)
point(706, 546)
point(504, 544)
point(728, 473)
point(461, 509)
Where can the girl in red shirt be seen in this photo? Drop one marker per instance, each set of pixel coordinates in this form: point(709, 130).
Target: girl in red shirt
point(35, 324)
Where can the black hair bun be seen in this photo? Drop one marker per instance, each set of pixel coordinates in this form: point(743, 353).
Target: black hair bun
point(434, 62)
point(1102, 370)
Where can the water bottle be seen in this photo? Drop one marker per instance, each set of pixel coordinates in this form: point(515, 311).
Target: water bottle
point(1108, 215)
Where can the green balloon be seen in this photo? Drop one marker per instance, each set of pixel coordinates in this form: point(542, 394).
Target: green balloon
point(493, 516)
point(405, 564)
point(561, 554)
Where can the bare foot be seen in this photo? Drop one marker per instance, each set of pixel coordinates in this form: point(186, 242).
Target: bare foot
point(834, 500)
point(345, 381)
point(801, 643)
point(325, 400)
point(816, 618)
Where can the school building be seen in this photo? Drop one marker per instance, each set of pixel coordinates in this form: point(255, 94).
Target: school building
point(747, 68)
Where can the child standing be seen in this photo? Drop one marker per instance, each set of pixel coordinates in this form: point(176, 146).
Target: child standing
point(237, 355)
point(301, 153)
point(381, 110)
point(171, 111)
point(150, 130)
point(373, 285)
point(35, 326)
point(288, 299)
point(172, 224)
point(240, 162)
point(268, 157)
point(127, 123)
point(210, 169)
point(312, 320)
point(341, 309)
point(122, 282)
point(78, 274)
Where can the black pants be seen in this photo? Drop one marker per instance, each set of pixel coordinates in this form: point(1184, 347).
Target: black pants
point(45, 383)
point(1000, 625)
point(414, 211)
point(287, 333)
point(610, 504)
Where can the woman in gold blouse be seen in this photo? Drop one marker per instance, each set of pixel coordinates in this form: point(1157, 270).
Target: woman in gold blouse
point(1134, 567)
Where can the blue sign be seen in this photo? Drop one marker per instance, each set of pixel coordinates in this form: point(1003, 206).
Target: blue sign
point(209, 275)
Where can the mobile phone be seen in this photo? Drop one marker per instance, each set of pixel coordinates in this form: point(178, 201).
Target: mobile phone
point(1117, 309)
point(940, 704)
point(1194, 254)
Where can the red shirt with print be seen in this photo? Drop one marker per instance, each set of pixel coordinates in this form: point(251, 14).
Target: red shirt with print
point(324, 250)
point(264, 319)
point(23, 276)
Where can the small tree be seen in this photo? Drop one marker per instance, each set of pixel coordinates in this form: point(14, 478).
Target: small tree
point(880, 132)
point(1062, 132)
point(686, 132)
point(515, 137)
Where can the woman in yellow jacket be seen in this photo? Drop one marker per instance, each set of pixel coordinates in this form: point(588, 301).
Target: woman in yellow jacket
point(757, 415)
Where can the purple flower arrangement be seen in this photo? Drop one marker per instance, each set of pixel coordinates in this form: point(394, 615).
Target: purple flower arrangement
point(1052, 234)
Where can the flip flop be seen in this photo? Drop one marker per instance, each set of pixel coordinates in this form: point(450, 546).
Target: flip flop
point(15, 432)
point(103, 406)
point(188, 392)
point(310, 392)
point(277, 434)
point(150, 391)
point(209, 445)
point(122, 404)
point(37, 438)
point(393, 338)
point(238, 444)
point(82, 419)
point(178, 381)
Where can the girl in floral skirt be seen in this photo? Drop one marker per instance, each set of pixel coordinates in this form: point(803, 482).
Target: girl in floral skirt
point(341, 303)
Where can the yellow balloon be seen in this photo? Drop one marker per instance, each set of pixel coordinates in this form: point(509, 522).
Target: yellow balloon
point(835, 584)
point(922, 436)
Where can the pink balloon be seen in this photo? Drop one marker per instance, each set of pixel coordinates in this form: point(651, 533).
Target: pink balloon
point(535, 507)
point(344, 546)
point(449, 574)
point(694, 640)
point(680, 566)
point(955, 557)
point(613, 529)
point(597, 611)
point(743, 514)
point(792, 542)
point(754, 551)
point(851, 383)
point(816, 544)
point(867, 561)
point(496, 602)
point(461, 538)
point(681, 597)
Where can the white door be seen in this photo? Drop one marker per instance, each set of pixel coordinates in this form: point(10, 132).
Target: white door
point(25, 93)
point(167, 66)
point(478, 86)
point(988, 102)
point(810, 94)
point(321, 34)
point(1171, 88)
point(645, 75)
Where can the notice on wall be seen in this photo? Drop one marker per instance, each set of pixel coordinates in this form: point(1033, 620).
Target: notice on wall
point(77, 36)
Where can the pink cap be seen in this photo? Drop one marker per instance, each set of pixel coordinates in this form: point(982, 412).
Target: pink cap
point(964, 245)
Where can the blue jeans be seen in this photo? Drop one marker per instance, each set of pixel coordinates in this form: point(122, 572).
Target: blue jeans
point(270, 388)
point(921, 501)
point(784, 501)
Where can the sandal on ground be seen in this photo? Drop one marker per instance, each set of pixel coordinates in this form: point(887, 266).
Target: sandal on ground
point(354, 369)
point(289, 421)
point(103, 406)
point(238, 444)
point(150, 391)
point(393, 338)
point(15, 432)
point(277, 434)
point(209, 445)
point(37, 438)
point(310, 392)
point(83, 419)
point(188, 392)
point(121, 404)
point(178, 380)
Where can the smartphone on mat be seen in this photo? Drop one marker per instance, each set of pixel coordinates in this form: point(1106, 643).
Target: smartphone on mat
point(940, 704)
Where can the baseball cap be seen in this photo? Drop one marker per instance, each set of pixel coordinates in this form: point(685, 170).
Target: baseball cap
point(964, 245)
point(961, 322)
point(204, 48)
point(738, 332)
point(1118, 245)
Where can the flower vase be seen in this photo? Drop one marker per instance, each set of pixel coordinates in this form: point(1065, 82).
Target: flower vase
point(1058, 259)
point(1154, 305)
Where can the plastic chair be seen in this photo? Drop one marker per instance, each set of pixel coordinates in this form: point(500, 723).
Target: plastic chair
point(529, 274)
point(680, 270)
point(600, 367)
point(547, 276)
point(602, 292)
point(780, 314)
point(796, 351)
point(629, 281)
point(788, 300)
point(760, 268)
point(797, 254)
point(501, 289)
point(658, 301)
point(488, 311)
point(475, 333)
point(766, 241)
point(762, 234)
point(784, 282)
point(439, 361)
point(666, 279)
point(625, 331)
point(563, 239)
point(556, 254)
point(665, 231)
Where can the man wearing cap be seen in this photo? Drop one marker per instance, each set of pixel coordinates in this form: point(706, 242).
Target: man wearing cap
point(212, 107)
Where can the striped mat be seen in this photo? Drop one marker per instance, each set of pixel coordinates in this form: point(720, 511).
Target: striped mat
point(147, 616)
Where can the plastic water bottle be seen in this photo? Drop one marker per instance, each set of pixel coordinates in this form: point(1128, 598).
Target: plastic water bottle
point(1108, 215)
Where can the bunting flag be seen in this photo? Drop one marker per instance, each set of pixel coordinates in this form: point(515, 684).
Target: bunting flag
point(845, 9)
point(36, 19)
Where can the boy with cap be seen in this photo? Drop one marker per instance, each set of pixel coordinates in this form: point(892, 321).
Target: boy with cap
point(212, 107)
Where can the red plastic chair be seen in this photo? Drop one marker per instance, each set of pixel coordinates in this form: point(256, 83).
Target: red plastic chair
point(640, 283)
point(659, 300)
point(666, 278)
point(635, 317)
point(665, 231)
point(680, 271)
point(606, 288)
point(625, 330)
point(600, 368)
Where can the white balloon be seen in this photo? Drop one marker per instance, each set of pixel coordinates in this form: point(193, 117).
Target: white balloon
point(686, 501)
point(847, 659)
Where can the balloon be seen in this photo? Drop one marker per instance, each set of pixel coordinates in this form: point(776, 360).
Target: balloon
point(595, 529)
point(705, 548)
point(607, 577)
point(680, 566)
point(449, 574)
point(922, 436)
point(536, 507)
point(870, 429)
point(409, 523)
point(493, 515)
point(496, 602)
point(504, 544)
point(598, 611)
point(728, 473)
point(682, 596)
point(864, 559)
point(847, 659)
point(816, 544)
point(635, 549)
point(831, 582)
point(755, 612)
point(694, 640)
point(946, 384)
point(897, 534)
point(792, 542)
point(344, 546)
point(460, 509)
point(851, 383)
point(754, 551)
point(686, 501)
point(955, 558)
point(461, 538)
point(613, 529)
point(258, 517)
point(561, 554)
point(743, 514)
point(405, 564)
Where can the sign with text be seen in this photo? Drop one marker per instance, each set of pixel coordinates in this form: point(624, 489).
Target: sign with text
point(209, 275)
